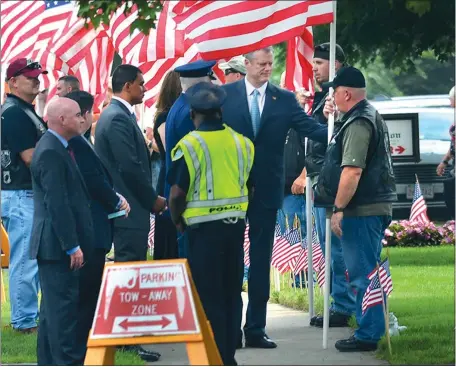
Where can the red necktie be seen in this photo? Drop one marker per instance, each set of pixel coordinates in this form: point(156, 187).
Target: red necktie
point(70, 151)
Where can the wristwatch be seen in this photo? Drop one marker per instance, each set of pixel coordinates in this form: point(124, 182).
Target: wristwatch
point(337, 210)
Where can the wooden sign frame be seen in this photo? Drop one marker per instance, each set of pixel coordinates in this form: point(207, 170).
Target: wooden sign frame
point(201, 347)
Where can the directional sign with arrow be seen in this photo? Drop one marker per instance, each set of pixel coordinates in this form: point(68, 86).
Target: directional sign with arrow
point(145, 323)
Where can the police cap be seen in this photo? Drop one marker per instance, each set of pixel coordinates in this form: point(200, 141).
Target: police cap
point(196, 69)
point(205, 96)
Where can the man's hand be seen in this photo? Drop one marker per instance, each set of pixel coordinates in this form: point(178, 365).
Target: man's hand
point(336, 223)
point(77, 260)
point(441, 169)
point(181, 226)
point(124, 204)
point(329, 108)
point(298, 186)
point(160, 205)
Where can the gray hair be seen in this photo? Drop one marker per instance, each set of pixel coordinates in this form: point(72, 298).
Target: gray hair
point(186, 83)
point(250, 56)
point(451, 94)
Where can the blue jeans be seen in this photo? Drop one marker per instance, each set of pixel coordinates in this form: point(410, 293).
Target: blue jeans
point(17, 217)
point(362, 244)
point(344, 300)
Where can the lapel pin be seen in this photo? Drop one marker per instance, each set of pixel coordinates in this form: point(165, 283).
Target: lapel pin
point(274, 98)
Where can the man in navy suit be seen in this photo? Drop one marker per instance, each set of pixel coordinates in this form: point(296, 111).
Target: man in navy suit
point(62, 237)
point(264, 113)
point(103, 201)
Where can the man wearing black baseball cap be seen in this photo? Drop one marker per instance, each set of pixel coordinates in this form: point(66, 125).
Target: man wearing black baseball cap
point(21, 129)
point(343, 299)
point(357, 181)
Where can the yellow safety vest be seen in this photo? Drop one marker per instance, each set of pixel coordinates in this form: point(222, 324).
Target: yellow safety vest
point(219, 164)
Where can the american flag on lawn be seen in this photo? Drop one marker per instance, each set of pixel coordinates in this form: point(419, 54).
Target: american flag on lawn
point(246, 246)
point(321, 272)
point(299, 69)
point(385, 276)
point(373, 295)
point(280, 247)
point(287, 259)
point(418, 212)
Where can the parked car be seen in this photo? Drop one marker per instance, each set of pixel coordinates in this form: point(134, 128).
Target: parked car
point(435, 116)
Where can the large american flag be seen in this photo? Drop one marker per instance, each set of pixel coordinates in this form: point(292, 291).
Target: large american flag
point(299, 70)
point(373, 295)
point(223, 29)
point(418, 212)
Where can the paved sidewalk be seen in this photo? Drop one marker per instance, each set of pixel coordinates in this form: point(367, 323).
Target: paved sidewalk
point(298, 344)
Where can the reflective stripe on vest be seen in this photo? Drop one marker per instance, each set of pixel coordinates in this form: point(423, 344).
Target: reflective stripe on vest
point(207, 156)
point(197, 166)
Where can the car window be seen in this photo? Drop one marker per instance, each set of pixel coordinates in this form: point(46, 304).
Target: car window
point(435, 125)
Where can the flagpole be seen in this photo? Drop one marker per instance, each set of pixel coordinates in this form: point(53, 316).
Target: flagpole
point(385, 311)
point(309, 223)
point(332, 72)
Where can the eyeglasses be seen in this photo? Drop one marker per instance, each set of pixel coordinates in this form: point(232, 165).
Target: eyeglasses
point(30, 65)
point(232, 71)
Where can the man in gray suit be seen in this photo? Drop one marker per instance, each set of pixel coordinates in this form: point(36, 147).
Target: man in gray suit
point(121, 146)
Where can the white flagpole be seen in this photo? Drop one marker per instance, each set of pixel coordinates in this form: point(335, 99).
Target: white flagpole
point(332, 72)
point(309, 223)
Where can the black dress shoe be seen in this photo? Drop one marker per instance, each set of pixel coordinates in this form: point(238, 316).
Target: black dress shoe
point(313, 320)
point(145, 355)
point(354, 345)
point(260, 342)
point(336, 319)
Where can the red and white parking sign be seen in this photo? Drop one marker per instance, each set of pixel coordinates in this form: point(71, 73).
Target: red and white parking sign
point(145, 299)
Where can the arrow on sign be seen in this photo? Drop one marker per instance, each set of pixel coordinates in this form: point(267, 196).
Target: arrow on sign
point(400, 149)
point(126, 324)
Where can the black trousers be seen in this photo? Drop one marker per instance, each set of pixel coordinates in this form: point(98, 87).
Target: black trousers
point(216, 258)
point(450, 195)
point(91, 275)
point(261, 234)
point(130, 244)
point(59, 341)
point(165, 238)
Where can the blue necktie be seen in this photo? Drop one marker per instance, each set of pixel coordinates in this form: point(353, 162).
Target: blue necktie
point(255, 112)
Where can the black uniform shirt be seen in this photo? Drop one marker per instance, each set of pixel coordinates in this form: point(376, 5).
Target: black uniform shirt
point(19, 133)
point(178, 174)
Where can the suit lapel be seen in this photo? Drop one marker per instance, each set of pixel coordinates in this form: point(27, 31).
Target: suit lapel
point(270, 99)
point(244, 107)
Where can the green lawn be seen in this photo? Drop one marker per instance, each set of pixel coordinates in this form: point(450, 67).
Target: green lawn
point(423, 300)
point(19, 348)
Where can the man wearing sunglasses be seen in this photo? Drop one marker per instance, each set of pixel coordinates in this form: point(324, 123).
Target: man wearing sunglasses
point(21, 129)
point(234, 69)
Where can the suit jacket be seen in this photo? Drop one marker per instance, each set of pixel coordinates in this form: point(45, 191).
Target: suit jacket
point(280, 113)
point(62, 217)
point(100, 186)
point(120, 145)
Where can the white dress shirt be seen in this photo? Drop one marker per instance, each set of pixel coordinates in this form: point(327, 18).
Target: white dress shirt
point(261, 98)
point(125, 103)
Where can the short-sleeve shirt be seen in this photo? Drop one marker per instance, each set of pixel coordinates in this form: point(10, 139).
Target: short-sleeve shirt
point(355, 146)
point(19, 133)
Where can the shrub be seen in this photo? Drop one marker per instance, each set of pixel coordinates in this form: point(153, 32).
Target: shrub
point(406, 233)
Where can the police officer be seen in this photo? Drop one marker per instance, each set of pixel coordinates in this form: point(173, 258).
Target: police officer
point(21, 130)
point(343, 299)
point(179, 123)
point(357, 179)
point(209, 199)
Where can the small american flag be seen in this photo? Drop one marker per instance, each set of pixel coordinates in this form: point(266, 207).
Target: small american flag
point(385, 276)
point(246, 246)
point(321, 272)
point(150, 238)
point(373, 295)
point(418, 213)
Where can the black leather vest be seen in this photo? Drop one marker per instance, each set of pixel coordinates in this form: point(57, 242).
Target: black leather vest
point(377, 183)
point(315, 151)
